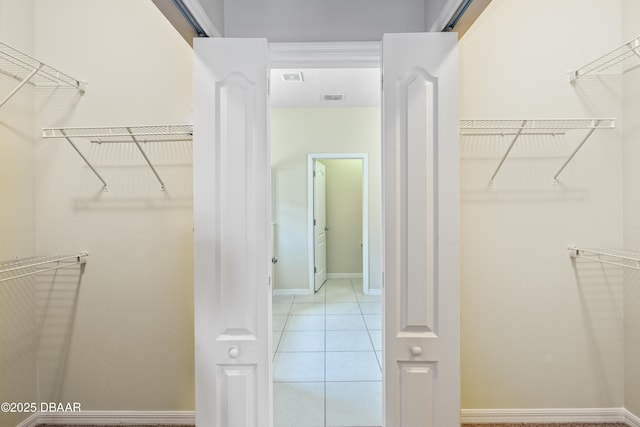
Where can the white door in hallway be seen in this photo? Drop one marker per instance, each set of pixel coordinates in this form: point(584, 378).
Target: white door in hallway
point(420, 217)
point(232, 220)
point(319, 225)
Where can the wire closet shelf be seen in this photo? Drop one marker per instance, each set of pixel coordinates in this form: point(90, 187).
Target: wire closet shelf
point(137, 135)
point(618, 61)
point(28, 70)
point(23, 267)
point(515, 128)
point(617, 257)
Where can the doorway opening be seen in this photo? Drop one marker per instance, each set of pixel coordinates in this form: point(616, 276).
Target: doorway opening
point(338, 218)
point(327, 309)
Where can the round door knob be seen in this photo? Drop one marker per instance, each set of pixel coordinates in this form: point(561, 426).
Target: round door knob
point(416, 351)
point(234, 352)
point(274, 260)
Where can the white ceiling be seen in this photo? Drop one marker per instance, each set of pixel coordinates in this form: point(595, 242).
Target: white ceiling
point(360, 87)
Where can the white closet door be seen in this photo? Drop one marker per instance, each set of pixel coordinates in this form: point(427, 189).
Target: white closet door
point(420, 197)
point(231, 166)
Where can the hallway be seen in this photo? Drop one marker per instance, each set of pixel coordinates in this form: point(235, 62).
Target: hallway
point(327, 366)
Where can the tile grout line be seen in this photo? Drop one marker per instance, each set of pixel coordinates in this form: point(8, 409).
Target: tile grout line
point(373, 347)
point(289, 321)
point(324, 397)
point(284, 326)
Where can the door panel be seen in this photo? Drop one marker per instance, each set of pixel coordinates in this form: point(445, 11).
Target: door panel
point(231, 225)
point(420, 202)
point(320, 224)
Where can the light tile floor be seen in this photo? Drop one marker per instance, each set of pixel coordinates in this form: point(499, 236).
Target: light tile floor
point(327, 365)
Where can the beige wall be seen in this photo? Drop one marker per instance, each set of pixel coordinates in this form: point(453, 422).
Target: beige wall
point(294, 134)
point(631, 86)
point(17, 219)
point(131, 336)
point(537, 333)
point(344, 215)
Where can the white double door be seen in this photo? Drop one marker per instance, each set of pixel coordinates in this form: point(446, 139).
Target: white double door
point(420, 238)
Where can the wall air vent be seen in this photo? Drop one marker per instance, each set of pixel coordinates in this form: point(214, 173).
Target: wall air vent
point(333, 97)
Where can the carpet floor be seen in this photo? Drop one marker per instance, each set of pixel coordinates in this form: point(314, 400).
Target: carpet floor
point(463, 425)
point(549, 425)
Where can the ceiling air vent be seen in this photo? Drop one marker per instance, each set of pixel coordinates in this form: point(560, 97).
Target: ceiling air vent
point(292, 76)
point(333, 97)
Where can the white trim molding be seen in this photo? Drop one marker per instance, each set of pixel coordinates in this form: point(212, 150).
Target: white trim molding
point(203, 19)
point(364, 157)
point(325, 55)
point(290, 292)
point(546, 415)
point(447, 12)
point(631, 419)
point(31, 421)
point(344, 276)
point(111, 418)
point(469, 416)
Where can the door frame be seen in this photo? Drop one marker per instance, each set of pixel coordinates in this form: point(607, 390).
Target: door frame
point(364, 157)
point(367, 54)
point(325, 55)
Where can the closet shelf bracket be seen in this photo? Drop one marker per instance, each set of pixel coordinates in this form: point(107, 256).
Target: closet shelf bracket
point(82, 156)
point(619, 258)
point(15, 268)
point(28, 70)
point(517, 128)
point(504, 157)
point(146, 159)
point(618, 61)
point(137, 135)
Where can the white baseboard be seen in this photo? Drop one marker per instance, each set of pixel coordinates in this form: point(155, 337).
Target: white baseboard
point(290, 292)
point(631, 419)
point(468, 416)
point(541, 416)
point(344, 275)
point(32, 421)
point(111, 418)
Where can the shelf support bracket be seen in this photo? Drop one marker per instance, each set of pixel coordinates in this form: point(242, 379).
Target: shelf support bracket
point(22, 83)
point(504, 157)
point(135, 140)
point(555, 177)
point(104, 183)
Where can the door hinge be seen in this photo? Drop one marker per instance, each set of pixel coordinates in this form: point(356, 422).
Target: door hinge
point(315, 270)
point(381, 83)
point(314, 174)
point(314, 221)
point(270, 284)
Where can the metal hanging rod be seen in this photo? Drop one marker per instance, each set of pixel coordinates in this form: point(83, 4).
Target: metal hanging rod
point(28, 70)
point(137, 135)
point(620, 258)
point(57, 262)
point(618, 61)
point(519, 127)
